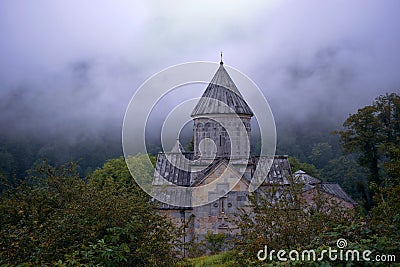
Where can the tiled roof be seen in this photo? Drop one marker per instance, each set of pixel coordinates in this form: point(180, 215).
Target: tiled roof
point(310, 183)
point(336, 190)
point(221, 88)
point(333, 189)
point(174, 195)
point(173, 168)
point(279, 172)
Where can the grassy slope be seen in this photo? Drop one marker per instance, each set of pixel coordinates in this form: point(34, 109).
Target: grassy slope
point(219, 260)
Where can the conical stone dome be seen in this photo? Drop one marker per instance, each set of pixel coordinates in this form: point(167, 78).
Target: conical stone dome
point(221, 88)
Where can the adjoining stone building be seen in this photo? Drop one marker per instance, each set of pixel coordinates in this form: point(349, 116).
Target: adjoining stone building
point(227, 153)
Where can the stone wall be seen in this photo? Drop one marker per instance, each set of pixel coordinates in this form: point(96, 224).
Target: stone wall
point(235, 145)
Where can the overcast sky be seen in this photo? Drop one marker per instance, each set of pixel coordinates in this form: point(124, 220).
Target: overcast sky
point(72, 66)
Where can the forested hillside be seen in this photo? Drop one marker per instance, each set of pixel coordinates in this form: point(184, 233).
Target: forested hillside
point(88, 213)
point(311, 145)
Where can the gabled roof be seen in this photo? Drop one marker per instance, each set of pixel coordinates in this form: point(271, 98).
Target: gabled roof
point(333, 189)
point(221, 88)
point(311, 183)
point(278, 173)
point(336, 190)
point(171, 167)
point(197, 179)
point(213, 167)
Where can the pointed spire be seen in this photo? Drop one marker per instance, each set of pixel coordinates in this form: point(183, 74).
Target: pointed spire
point(221, 88)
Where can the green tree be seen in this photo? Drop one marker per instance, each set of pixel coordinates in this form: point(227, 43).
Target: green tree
point(321, 153)
point(372, 133)
point(349, 174)
point(296, 165)
point(280, 217)
point(190, 146)
point(392, 166)
point(7, 164)
point(59, 217)
point(215, 242)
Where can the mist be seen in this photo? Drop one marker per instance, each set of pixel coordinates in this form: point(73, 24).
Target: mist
point(68, 69)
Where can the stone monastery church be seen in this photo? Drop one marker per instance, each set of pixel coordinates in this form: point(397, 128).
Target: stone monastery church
point(227, 155)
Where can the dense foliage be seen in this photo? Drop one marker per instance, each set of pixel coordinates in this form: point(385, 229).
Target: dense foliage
point(374, 133)
point(283, 222)
point(58, 218)
point(73, 216)
point(280, 217)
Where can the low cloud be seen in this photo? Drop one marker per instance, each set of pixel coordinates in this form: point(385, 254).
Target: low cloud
point(71, 68)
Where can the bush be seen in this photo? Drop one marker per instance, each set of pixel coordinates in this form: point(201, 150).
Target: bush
point(105, 219)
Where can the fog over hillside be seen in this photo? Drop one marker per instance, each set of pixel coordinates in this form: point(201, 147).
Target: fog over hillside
point(69, 69)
